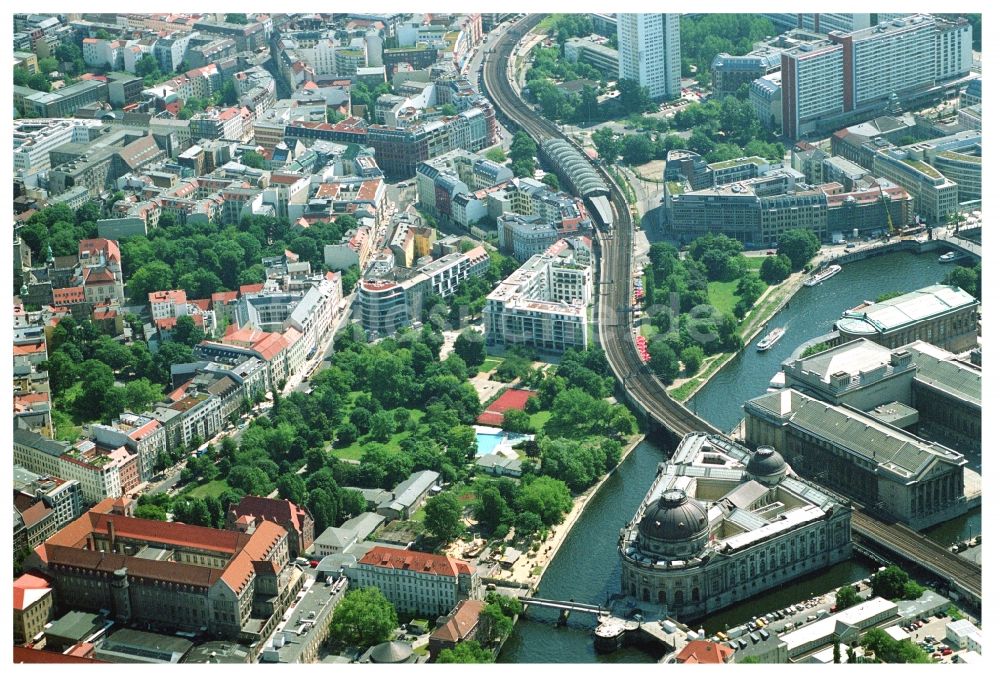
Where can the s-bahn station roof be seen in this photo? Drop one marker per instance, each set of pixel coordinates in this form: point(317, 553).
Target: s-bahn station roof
point(585, 179)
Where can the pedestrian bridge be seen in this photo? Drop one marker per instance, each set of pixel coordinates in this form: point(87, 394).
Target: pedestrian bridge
point(571, 606)
point(965, 246)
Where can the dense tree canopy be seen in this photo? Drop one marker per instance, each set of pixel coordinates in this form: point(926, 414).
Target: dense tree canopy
point(799, 246)
point(703, 36)
point(469, 651)
point(969, 279)
point(363, 618)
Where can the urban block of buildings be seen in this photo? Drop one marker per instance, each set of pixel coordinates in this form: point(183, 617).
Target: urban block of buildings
point(235, 585)
point(851, 74)
point(762, 205)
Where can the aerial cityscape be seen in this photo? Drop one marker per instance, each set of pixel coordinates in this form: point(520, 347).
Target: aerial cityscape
point(382, 337)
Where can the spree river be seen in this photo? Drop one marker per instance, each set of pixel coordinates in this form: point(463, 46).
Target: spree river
point(587, 569)
point(811, 312)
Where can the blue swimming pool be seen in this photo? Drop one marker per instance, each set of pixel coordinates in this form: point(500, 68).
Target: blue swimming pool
point(486, 443)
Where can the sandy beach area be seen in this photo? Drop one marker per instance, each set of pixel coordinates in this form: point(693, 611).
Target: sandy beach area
point(522, 570)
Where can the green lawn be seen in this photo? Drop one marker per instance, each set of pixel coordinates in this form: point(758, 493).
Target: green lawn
point(64, 427)
point(538, 420)
point(647, 330)
point(546, 24)
point(722, 295)
point(465, 492)
point(755, 262)
point(210, 489)
point(354, 450)
point(490, 363)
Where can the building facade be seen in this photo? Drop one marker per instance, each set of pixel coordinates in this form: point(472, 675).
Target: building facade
point(892, 472)
point(543, 304)
point(417, 582)
point(235, 585)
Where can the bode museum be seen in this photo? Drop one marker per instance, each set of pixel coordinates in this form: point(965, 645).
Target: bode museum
point(721, 523)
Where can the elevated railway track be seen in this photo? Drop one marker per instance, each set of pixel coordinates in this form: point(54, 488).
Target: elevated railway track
point(615, 322)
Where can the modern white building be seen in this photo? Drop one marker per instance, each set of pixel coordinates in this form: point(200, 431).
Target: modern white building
point(391, 302)
point(846, 626)
point(34, 138)
point(812, 86)
point(892, 57)
point(820, 22)
point(855, 72)
point(649, 52)
point(543, 304)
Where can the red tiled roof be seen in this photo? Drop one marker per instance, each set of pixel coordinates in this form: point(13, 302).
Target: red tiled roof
point(285, 178)
point(166, 323)
point(68, 295)
point(224, 296)
point(23, 654)
point(99, 276)
point(28, 588)
point(203, 303)
point(146, 429)
point(268, 344)
point(703, 651)
point(96, 521)
point(263, 540)
point(35, 513)
point(108, 246)
point(29, 348)
point(29, 398)
point(251, 289)
point(460, 625)
point(108, 314)
point(179, 392)
point(169, 296)
point(279, 511)
point(420, 562)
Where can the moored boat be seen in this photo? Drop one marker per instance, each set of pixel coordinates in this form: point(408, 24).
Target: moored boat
point(823, 275)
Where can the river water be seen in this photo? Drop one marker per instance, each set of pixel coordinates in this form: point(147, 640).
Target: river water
point(587, 569)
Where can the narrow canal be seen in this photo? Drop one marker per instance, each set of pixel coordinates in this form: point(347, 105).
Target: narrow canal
point(586, 568)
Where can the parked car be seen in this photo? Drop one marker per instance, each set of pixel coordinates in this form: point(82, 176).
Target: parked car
point(947, 651)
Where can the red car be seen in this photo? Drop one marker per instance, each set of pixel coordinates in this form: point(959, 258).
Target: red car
point(313, 563)
point(770, 253)
point(947, 652)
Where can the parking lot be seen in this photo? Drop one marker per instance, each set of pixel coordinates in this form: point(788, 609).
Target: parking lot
point(930, 636)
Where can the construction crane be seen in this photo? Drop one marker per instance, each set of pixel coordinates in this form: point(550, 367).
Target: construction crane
point(888, 213)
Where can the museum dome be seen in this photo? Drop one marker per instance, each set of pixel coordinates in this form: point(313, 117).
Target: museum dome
point(766, 463)
point(674, 517)
point(391, 652)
